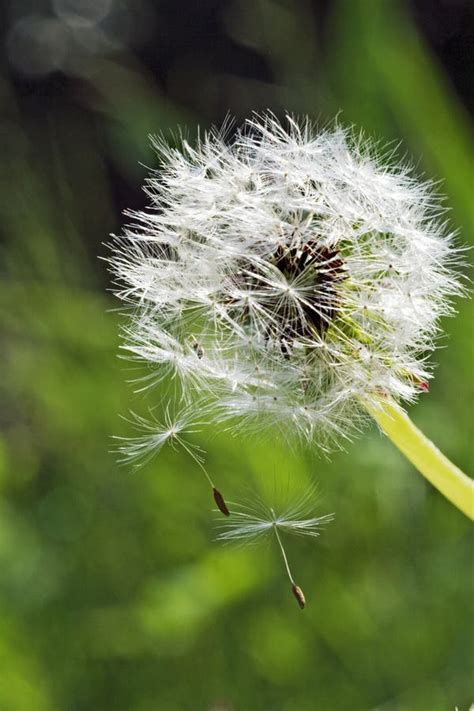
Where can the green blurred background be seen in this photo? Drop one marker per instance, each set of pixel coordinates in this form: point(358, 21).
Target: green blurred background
point(113, 594)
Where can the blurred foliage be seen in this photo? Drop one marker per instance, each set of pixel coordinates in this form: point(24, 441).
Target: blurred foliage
point(112, 593)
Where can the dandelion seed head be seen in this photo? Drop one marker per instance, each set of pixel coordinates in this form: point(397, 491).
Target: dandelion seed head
point(285, 276)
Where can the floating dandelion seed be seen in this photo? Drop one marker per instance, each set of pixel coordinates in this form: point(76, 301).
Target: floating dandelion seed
point(293, 279)
point(174, 431)
point(254, 520)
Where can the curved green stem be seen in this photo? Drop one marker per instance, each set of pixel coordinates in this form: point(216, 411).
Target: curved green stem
point(422, 453)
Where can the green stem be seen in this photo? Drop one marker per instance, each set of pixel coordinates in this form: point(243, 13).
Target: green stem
point(422, 453)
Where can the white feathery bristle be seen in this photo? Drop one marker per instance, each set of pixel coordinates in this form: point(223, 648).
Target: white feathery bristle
point(173, 430)
point(253, 518)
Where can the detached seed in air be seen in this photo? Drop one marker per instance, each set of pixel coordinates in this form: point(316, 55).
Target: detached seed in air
point(220, 503)
point(299, 594)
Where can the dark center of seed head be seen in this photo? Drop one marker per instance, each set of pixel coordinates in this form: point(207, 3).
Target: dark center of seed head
point(319, 269)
